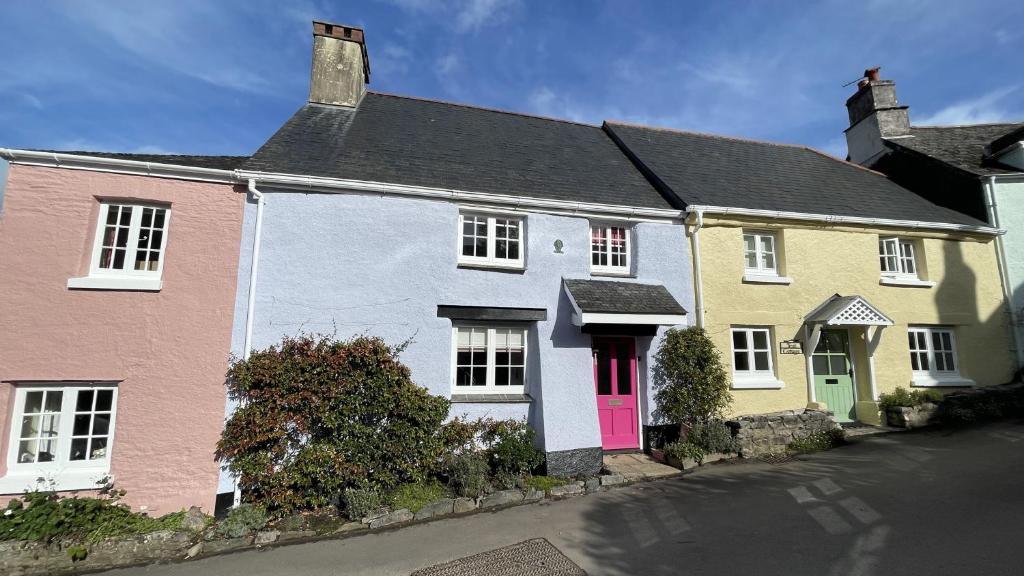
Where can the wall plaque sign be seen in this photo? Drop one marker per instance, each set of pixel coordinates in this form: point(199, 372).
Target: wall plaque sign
point(791, 347)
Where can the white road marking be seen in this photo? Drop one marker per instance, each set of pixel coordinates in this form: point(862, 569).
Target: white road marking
point(827, 486)
point(672, 520)
point(640, 526)
point(802, 495)
point(830, 520)
point(860, 510)
point(1009, 437)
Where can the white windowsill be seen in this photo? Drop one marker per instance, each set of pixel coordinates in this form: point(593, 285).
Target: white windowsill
point(911, 282)
point(611, 272)
point(17, 482)
point(756, 383)
point(766, 278)
point(116, 283)
point(933, 381)
point(517, 266)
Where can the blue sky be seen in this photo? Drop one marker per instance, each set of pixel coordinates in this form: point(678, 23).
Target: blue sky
point(205, 77)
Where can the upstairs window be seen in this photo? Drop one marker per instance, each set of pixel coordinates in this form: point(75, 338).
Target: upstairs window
point(759, 255)
point(896, 257)
point(130, 240)
point(491, 240)
point(609, 249)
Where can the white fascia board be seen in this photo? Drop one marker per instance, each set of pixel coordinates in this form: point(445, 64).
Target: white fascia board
point(469, 199)
point(611, 318)
point(116, 165)
point(855, 220)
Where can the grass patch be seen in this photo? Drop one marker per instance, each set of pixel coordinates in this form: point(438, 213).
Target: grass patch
point(545, 483)
point(412, 497)
point(818, 442)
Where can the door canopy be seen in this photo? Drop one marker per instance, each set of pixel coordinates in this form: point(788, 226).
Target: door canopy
point(847, 311)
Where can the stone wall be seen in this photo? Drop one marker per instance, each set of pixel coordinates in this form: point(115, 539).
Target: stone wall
point(760, 434)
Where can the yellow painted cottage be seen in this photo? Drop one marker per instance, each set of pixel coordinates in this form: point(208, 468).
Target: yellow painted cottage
point(823, 283)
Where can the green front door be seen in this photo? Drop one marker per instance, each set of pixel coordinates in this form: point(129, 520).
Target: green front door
point(833, 374)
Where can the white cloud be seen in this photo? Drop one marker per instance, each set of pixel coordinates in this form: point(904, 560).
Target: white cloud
point(448, 64)
point(465, 15)
point(987, 108)
point(32, 101)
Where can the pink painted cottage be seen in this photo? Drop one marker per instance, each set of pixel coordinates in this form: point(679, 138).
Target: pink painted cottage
point(117, 287)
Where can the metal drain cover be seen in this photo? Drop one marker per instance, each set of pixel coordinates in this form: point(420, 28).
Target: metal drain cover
point(535, 557)
point(777, 459)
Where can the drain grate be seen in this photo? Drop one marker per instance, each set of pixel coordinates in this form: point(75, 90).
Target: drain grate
point(535, 557)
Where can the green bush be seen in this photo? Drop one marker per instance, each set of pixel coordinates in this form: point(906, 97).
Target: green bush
point(544, 483)
point(412, 497)
point(509, 446)
point(317, 415)
point(691, 385)
point(901, 397)
point(242, 520)
point(468, 474)
point(47, 517)
point(713, 437)
point(361, 502)
point(818, 441)
point(684, 450)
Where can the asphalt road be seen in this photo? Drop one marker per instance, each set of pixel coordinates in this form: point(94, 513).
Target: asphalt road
point(929, 502)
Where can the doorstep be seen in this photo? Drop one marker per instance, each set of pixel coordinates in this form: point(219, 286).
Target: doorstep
point(857, 430)
point(637, 467)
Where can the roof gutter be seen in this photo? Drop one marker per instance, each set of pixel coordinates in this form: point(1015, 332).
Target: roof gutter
point(989, 187)
point(515, 202)
point(116, 165)
point(854, 220)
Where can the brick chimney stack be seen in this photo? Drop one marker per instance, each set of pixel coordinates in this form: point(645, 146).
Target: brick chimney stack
point(341, 67)
point(874, 114)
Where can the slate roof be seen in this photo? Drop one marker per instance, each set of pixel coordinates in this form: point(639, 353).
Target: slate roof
point(963, 147)
point(214, 162)
point(702, 169)
point(616, 297)
point(401, 140)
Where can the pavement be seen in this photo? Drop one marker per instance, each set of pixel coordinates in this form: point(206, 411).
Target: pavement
point(634, 467)
point(921, 502)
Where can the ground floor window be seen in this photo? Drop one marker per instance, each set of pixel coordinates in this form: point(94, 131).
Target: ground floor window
point(62, 427)
point(489, 359)
point(752, 364)
point(933, 353)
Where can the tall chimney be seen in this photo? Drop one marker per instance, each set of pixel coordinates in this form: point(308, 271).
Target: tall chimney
point(341, 68)
point(874, 114)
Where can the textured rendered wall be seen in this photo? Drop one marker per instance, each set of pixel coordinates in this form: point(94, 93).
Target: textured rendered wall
point(355, 264)
point(824, 261)
point(169, 349)
point(1010, 202)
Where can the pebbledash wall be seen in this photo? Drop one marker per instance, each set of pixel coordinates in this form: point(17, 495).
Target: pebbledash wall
point(825, 260)
point(167, 350)
point(351, 264)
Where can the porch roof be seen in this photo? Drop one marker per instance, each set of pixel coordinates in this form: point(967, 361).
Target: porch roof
point(618, 302)
point(847, 311)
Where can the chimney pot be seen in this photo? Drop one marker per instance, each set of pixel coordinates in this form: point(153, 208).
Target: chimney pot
point(871, 74)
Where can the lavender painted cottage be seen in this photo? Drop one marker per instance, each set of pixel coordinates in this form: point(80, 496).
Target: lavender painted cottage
point(531, 265)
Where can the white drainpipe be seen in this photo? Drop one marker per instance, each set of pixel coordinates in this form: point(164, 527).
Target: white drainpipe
point(250, 307)
point(698, 281)
point(989, 186)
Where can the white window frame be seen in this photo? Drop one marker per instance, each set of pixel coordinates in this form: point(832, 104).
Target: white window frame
point(128, 278)
point(760, 269)
point(608, 269)
point(491, 260)
point(490, 387)
point(900, 247)
point(753, 378)
point(932, 376)
point(62, 473)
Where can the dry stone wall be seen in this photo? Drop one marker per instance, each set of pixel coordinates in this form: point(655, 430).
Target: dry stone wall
point(760, 434)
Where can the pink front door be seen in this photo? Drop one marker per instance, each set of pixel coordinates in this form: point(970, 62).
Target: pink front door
point(615, 384)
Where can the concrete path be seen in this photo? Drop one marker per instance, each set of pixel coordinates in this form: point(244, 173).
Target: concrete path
point(923, 502)
point(637, 467)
